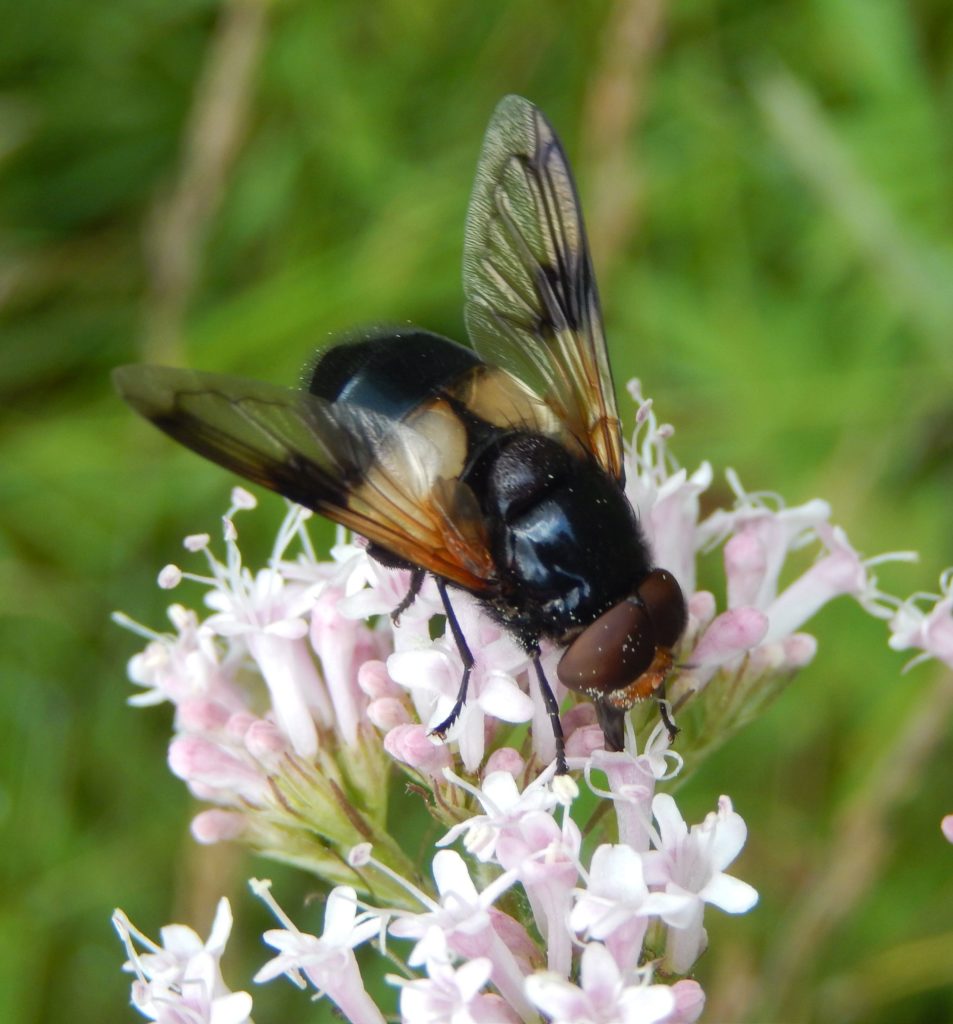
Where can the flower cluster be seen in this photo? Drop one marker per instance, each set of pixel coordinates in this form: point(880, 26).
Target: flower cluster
point(600, 927)
point(296, 695)
point(595, 933)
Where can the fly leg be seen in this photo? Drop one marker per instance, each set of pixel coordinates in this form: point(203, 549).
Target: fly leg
point(552, 709)
point(465, 655)
point(549, 699)
point(663, 711)
point(416, 582)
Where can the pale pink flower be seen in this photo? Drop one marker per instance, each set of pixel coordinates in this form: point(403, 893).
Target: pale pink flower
point(463, 924)
point(450, 995)
point(665, 497)
point(632, 779)
point(327, 962)
point(181, 980)
point(701, 610)
point(432, 674)
point(616, 904)
point(673, 523)
point(760, 624)
point(929, 631)
point(198, 714)
point(268, 615)
point(603, 995)
point(765, 532)
point(841, 571)
point(276, 691)
point(368, 588)
point(179, 667)
point(728, 637)
point(769, 532)
point(266, 743)
point(690, 864)
point(353, 571)
point(505, 807)
point(545, 858)
point(342, 645)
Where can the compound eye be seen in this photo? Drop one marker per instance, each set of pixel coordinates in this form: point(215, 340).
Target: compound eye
point(610, 652)
point(662, 598)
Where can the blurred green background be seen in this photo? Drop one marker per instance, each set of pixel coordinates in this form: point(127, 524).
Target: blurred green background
point(768, 192)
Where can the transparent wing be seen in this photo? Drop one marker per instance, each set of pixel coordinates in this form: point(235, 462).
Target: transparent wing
point(394, 484)
point(531, 301)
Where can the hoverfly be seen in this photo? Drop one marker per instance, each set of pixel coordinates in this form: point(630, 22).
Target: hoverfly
point(497, 469)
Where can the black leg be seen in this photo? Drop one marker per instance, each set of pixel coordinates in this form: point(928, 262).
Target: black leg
point(465, 655)
point(552, 709)
point(416, 582)
point(670, 727)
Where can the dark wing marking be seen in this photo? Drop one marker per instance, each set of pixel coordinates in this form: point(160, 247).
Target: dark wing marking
point(391, 483)
point(531, 301)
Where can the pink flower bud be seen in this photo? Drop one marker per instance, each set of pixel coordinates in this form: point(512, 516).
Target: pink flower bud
point(506, 759)
point(578, 717)
point(265, 741)
point(217, 826)
point(730, 634)
point(201, 715)
point(197, 760)
point(335, 640)
point(765, 661)
point(387, 713)
point(582, 742)
point(239, 724)
point(689, 1002)
point(374, 681)
point(516, 939)
point(745, 565)
point(412, 745)
point(702, 608)
point(799, 650)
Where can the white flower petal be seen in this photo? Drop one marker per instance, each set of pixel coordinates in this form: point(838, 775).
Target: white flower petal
point(501, 697)
point(672, 827)
point(558, 998)
point(221, 927)
point(647, 1004)
point(729, 894)
point(452, 876)
point(599, 973)
point(339, 915)
point(233, 1008)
